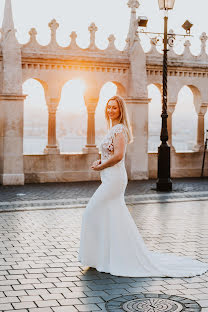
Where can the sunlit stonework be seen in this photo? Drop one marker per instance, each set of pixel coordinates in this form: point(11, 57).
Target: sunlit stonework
point(131, 70)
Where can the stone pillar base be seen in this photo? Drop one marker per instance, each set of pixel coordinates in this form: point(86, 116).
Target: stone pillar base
point(90, 149)
point(12, 179)
point(51, 150)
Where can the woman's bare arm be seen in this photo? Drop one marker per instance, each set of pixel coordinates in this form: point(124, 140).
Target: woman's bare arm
point(119, 149)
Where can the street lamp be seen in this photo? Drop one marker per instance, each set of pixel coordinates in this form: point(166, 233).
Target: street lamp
point(187, 26)
point(205, 148)
point(166, 4)
point(164, 182)
point(142, 21)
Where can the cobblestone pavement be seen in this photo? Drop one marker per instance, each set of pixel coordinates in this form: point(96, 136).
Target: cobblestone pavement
point(40, 272)
point(72, 194)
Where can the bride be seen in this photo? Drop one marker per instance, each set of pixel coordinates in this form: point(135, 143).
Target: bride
point(110, 240)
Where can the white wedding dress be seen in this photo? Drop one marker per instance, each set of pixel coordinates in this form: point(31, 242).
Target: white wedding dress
point(110, 240)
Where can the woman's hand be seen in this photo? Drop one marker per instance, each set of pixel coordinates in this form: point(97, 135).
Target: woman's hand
point(96, 162)
point(96, 165)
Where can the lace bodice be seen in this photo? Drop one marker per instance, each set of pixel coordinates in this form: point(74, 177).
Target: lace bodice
point(106, 145)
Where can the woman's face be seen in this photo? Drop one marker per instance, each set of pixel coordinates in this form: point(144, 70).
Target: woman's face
point(113, 110)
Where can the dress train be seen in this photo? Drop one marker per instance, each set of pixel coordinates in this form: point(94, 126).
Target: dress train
point(110, 240)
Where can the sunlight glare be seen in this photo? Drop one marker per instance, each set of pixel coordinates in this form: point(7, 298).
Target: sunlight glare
point(72, 96)
point(108, 90)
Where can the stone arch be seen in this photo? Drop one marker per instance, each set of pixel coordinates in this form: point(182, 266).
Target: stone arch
point(35, 117)
point(71, 117)
point(121, 90)
point(196, 96)
point(174, 88)
point(154, 116)
point(159, 86)
point(42, 82)
point(184, 118)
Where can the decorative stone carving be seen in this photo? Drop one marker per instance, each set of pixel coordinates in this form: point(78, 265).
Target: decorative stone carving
point(132, 36)
point(33, 34)
point(53, 25)
point(203, 39)
point(111, 45)
point(133, 5)
point(153, 50)
point(92, 29)
point(73, 43)
point(187, 53)
point(12, 75)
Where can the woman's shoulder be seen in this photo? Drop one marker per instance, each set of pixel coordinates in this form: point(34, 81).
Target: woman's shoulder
point(119, 128)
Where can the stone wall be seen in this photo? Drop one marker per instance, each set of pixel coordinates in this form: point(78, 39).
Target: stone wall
point(59, 168)
point(182, 164)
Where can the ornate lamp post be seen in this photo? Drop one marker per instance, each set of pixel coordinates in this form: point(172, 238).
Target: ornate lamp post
point(164, 182)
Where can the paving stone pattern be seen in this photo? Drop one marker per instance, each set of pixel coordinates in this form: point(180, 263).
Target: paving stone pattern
point(78, 190)
point(77, 194)
point(40, 272)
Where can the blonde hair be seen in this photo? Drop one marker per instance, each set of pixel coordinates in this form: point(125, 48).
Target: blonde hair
point(124, 118)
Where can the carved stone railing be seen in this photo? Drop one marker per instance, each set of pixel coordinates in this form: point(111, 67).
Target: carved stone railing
point(53, 48)
point(186, 58)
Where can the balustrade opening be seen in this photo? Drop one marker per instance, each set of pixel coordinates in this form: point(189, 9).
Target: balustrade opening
point(72, 118)
point(35, 118)
point(184, 122)
point(154, 119)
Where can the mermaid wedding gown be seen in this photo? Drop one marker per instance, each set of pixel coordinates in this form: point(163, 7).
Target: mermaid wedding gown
point(110, 240)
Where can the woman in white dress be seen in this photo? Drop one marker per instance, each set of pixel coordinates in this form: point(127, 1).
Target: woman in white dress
point(110, 240)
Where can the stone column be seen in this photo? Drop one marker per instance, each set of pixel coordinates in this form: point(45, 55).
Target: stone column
point(11, 104)
point(91, 104)
point(170, 110)
point(137, 151)
point(200, 129)
point(11, 139)
point(52, 147)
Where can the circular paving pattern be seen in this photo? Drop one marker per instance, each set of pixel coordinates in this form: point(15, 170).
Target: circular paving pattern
point(152, 303)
